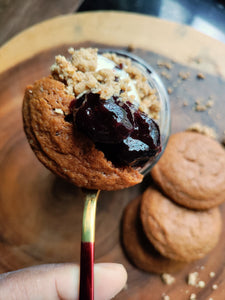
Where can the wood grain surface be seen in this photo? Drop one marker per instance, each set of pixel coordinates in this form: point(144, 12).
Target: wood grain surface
point(40, 214)
point(17, 15)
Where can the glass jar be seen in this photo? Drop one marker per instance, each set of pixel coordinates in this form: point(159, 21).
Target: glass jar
point(156, 83)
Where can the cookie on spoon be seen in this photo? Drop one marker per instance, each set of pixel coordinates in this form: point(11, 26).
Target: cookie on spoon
point(91, 121)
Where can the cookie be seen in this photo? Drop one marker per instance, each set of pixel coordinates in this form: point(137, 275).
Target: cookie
point(138, 248)
point(177, 232)
point(191, 171)
point(64, 150)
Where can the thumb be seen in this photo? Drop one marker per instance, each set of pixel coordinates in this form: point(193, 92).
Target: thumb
point(60, 281)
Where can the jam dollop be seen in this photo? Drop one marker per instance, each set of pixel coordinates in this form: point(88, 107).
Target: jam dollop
point(125, 134)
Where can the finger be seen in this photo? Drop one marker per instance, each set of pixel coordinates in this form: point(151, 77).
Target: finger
point(109, 280)
point(60, 281)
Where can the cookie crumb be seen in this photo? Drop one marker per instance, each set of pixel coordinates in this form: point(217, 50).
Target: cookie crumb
point(201, 284)
point(212, 274)
point(200, 107)
point(166, 75)
point(193, 297)
point(214, 286)
point(203, 129)
point(185, 103)
point(164, 64)
point(167, 278)
point(200, 76)
point(165, 297)
point(130, 48)
point(209, 103)
point(184, 75)
point(192, 278)
point(169, 90)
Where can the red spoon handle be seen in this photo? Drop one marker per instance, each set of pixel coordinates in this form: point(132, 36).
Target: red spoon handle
point(87, 271)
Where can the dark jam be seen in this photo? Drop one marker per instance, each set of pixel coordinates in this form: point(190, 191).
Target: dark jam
point(125, 134)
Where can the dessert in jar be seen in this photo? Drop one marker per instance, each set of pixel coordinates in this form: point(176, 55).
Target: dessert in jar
point(96, 120)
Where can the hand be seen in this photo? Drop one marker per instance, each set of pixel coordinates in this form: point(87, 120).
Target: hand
point(60, 281)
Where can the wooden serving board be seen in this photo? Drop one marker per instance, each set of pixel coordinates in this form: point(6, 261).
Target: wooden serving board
point(40, 214)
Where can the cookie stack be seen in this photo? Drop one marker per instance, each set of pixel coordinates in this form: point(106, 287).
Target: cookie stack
point(179, 220)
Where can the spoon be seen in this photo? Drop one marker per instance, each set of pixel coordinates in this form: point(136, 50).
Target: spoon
point(88, 245)
point(91, 196)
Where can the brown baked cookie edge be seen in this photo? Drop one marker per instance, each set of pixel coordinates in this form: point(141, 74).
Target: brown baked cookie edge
point(138, 248)
point(176, 232)
point(183, 172)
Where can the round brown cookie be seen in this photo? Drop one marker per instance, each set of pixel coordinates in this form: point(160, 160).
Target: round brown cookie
point(192, 170)
point(137, 246)
point(177, 232)
point(64, 150)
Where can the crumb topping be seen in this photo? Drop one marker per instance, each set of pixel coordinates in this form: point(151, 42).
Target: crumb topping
point(80, 74)
point(85, 59)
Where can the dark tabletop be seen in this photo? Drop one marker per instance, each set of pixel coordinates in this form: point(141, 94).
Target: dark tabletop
point(207, 16)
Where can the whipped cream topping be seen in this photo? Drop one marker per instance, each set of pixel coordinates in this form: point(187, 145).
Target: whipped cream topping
point(105, 63)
